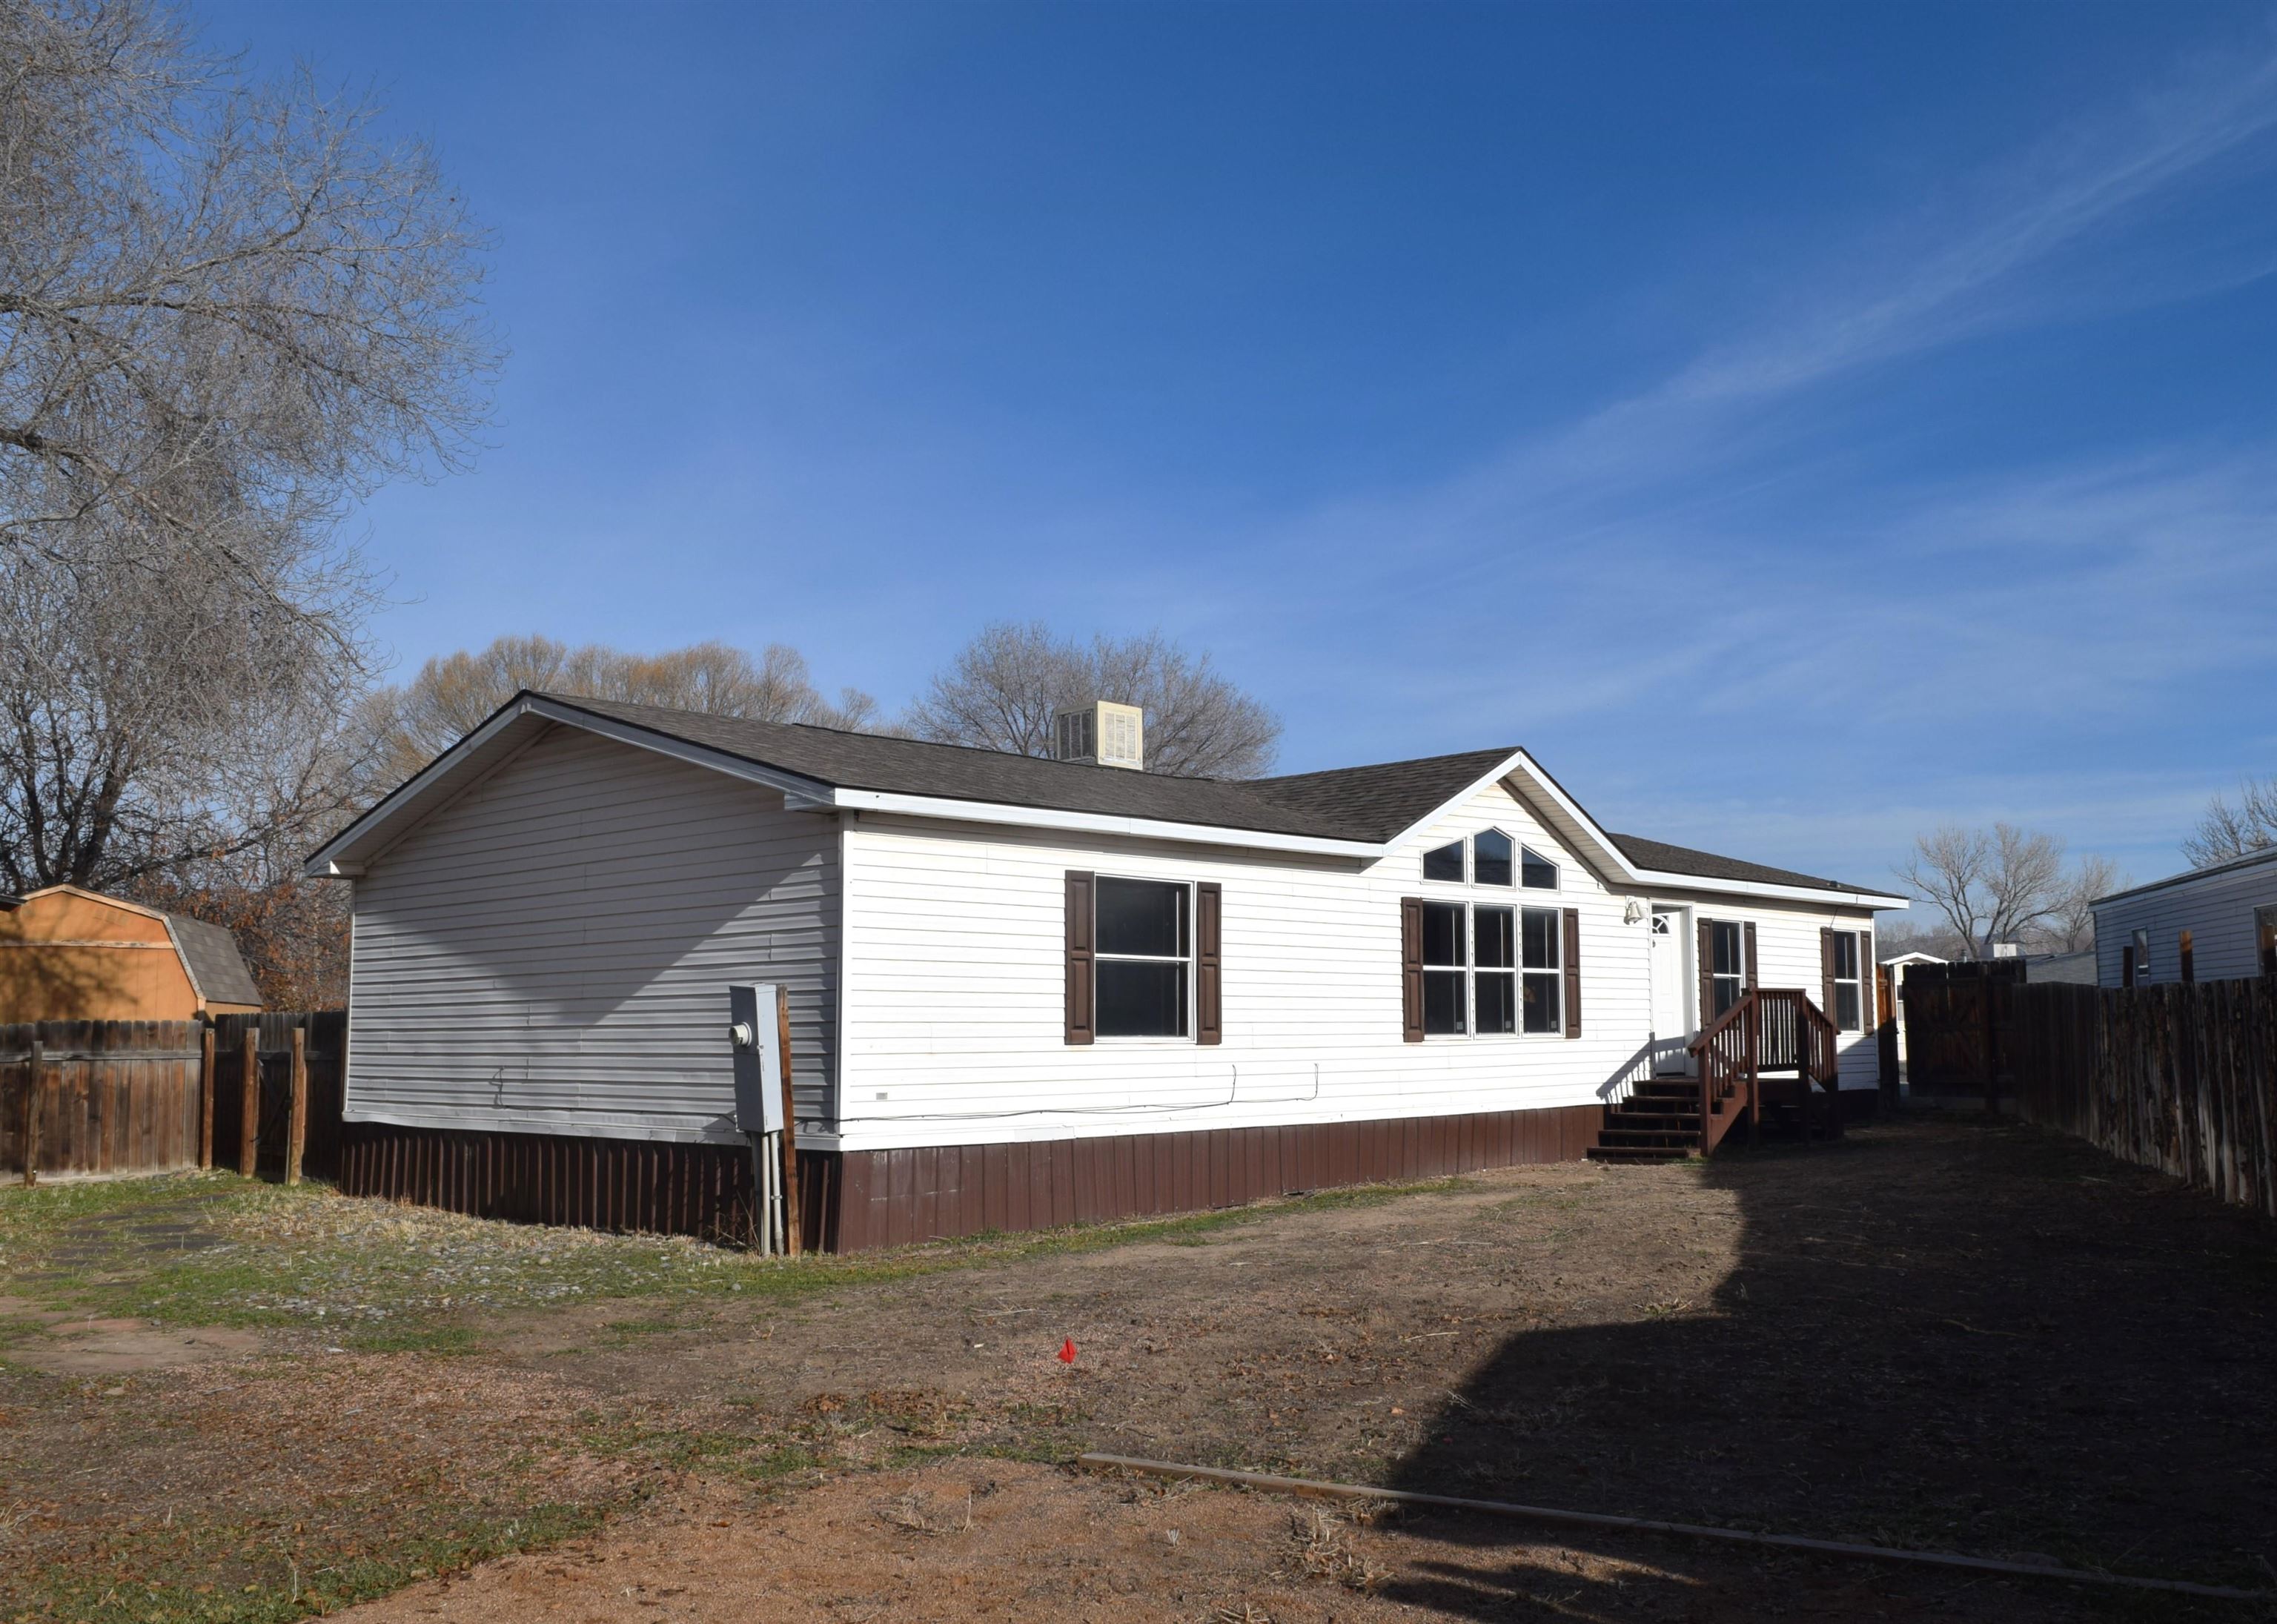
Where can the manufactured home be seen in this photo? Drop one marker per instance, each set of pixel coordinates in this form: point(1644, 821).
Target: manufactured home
point(2213, 923)
point(1025, 992)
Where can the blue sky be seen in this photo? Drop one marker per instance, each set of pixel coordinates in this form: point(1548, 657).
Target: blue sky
point(1798, 426)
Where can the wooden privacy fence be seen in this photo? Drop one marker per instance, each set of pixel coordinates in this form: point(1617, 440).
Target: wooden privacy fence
point(96, 1097)
point(2181, 1077)
point(1961, 1022)
point(111, 1097)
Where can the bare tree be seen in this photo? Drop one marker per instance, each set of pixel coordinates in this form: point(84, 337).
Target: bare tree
point(1996, 885)
point(406, 728)
point(226, 310)
point(1004, 688)
point(2227, 832)
point(2071, 923)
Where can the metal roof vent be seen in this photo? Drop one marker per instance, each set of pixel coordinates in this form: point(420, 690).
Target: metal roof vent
point(1101, 734)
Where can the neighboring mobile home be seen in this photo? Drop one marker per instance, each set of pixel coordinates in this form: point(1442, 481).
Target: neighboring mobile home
point(1024, 991)
point(72, 955)
point(2211, 924)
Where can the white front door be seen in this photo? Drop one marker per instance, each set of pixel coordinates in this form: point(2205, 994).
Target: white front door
point(1672, 1003)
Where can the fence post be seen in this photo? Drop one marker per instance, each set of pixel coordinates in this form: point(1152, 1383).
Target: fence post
point(32, 1113)
point(297, 1133)
point(248, 1132)
point(207, 1081)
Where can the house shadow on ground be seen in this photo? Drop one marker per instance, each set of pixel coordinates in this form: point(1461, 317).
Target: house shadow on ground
point(1986, 1339)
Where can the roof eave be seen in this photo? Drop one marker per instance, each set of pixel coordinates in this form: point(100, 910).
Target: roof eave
point(951, 809)
point(1670, 880)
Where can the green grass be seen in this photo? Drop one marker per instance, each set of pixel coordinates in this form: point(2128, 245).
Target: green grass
point(390, 1283)
point(184, 1589)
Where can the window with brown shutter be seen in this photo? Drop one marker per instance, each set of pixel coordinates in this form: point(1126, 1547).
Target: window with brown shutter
point(2127, 966)
point(1841, 958)
point(2190, 958)
point(1572, 973)
point(1751, 955)
point(1081, 970)
point(1866, 979)
point(1826, 969)
point(1704, 956)
point(1410, 968)
point(1209, 907)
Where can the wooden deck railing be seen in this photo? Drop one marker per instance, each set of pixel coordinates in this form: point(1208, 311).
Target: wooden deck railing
point(1769, 1029)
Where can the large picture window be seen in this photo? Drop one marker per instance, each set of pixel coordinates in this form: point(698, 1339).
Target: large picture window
point(1543, 963)
point(1145, 958)
point(1727, 964)
point(1442, 969)
point(1848, 1010)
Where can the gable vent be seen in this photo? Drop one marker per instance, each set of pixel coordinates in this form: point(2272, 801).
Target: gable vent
point(1103, 733)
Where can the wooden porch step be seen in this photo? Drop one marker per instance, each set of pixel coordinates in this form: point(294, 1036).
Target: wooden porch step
point(1664, 1121)
point(1639, 1152)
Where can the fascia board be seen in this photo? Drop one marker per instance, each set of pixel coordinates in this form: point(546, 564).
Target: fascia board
point(1660, 880)
point(1616, 860)
point(1099, 823)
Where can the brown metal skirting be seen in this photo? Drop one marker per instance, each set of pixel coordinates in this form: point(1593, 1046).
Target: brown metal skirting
point(892, 1197)
point(859, 1199)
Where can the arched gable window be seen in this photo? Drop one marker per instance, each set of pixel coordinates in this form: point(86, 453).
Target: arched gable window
point(1490, 855)
point(1444, 862)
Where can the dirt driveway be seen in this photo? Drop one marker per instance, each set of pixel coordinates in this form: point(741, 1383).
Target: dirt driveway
point(1934, 1334)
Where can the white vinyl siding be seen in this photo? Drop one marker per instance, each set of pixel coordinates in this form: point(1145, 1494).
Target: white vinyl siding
point(551, 951)
point(956, 963)
point(2217, 909)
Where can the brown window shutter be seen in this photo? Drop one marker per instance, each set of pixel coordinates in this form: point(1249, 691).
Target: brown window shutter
point(1826, 970)
point(1707, 934)
point(1410, 968)
point(1081, 978)
point(1572, 973)
point(1751, 955)
point(1866, 982)
point(1209, 995)
point(2190, 958)
point(2127, 966)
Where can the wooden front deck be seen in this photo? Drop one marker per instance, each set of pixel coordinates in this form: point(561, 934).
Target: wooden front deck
point(1774, 1050)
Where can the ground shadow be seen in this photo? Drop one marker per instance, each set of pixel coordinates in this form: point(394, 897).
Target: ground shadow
point(1995, 1341)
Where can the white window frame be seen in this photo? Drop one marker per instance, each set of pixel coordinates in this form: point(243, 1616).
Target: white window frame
point(1460, 970)
point(1099, 957)
point(1468, 971)
point(1462, 845)
point(1557, 870)
point(1517, 858)
point(1856, 983)
point(1555, 971)
point(1739, 929)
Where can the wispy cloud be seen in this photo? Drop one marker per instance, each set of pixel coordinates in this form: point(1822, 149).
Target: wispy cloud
point(1723, 549)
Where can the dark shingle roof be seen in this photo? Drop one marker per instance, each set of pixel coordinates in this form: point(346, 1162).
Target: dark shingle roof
point(210, 955)
point(1385, 799)
point(1684, 860)
point(956, 772)
point(1370, 804)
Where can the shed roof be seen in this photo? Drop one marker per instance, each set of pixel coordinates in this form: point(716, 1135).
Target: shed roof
point(216, 968)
